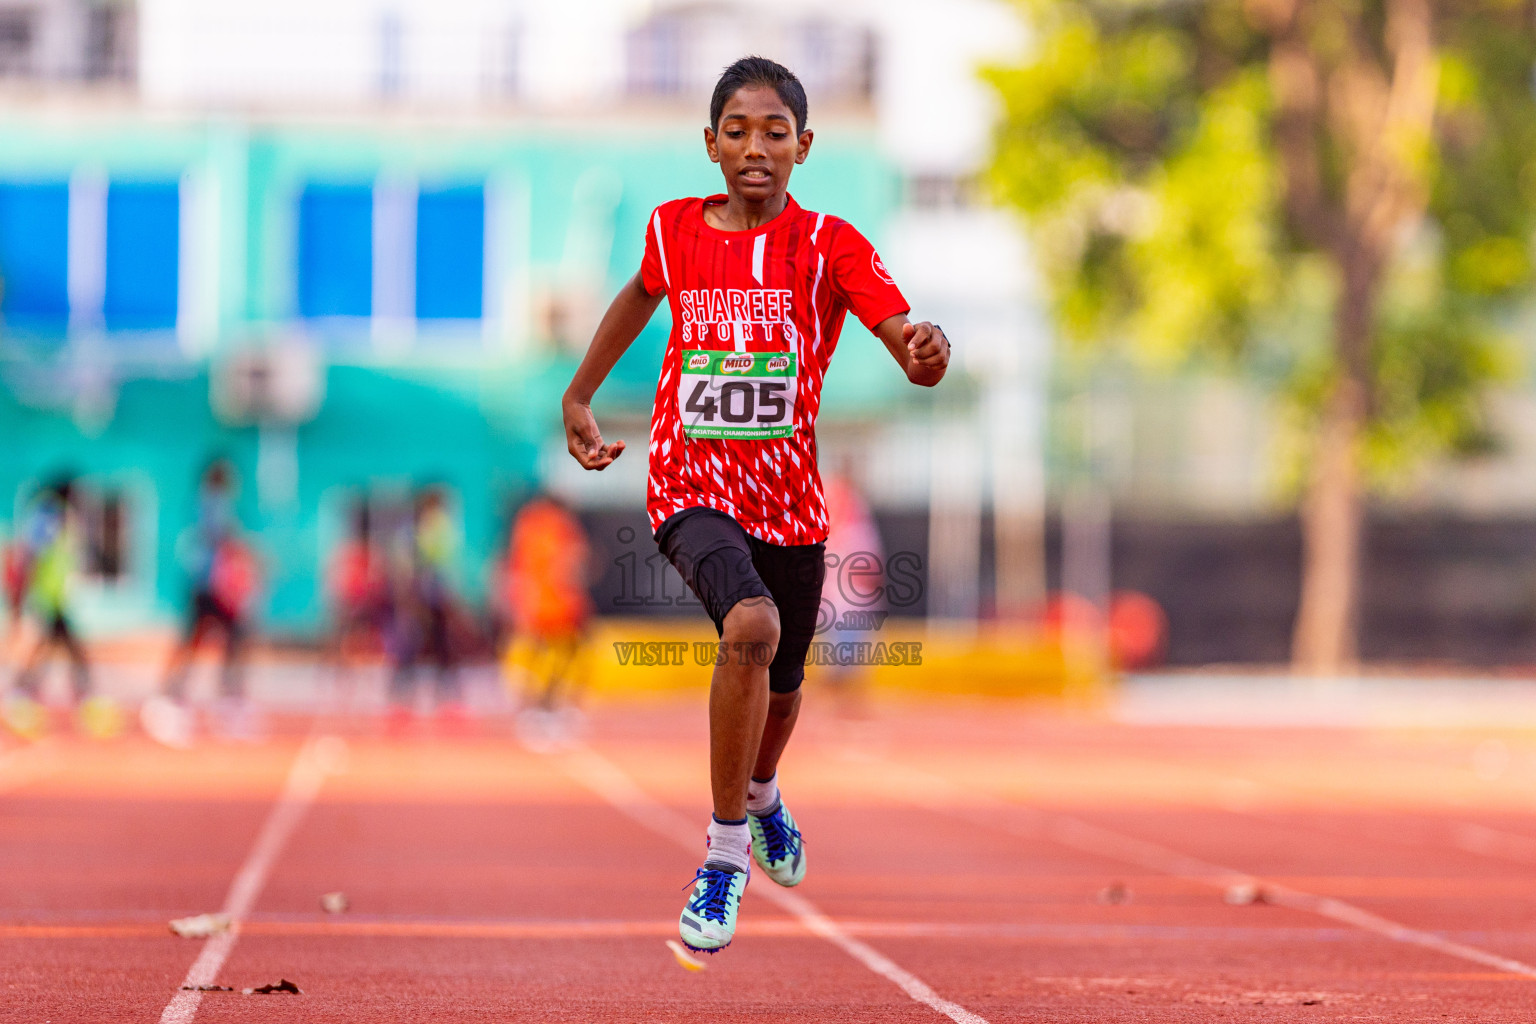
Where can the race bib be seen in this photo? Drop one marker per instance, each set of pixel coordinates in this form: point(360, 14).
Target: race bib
point(741, 396)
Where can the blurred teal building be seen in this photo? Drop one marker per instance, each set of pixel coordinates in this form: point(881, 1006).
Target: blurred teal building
point(345, 310)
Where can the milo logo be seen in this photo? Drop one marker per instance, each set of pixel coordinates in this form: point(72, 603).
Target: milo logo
point(778, 363)
point(698, 360)
point(736, 364)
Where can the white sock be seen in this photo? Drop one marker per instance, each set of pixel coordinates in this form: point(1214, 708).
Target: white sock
point(730, 843)
point(762, 797)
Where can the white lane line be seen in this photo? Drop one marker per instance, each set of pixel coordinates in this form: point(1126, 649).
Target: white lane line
point(319, 756)
point(1239, 795)
point(1091, 838)
point(610, 782)
point(1490, 842)
point(940, 795)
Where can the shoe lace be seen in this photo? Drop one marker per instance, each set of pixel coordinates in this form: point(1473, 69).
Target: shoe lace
point(710, 903)
point(779, 836)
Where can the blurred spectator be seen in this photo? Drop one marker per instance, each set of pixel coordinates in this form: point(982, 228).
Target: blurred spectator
point(46, 559)
point(13, 576)
point(855, 569)
point(223, 575)
point(544, 590)
point(423, 568)
point(1133, 635)
point(357, 585)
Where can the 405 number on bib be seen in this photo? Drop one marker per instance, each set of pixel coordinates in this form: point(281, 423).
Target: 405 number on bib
point(740, 396)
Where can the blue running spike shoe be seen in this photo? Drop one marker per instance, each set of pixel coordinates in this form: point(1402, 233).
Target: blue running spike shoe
point(709, 917)
point(777, 846)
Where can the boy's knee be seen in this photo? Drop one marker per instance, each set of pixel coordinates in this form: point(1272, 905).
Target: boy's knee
point(753, 622)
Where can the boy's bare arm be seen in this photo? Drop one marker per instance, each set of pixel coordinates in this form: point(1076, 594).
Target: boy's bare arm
point(921, 350)
point(627, 316)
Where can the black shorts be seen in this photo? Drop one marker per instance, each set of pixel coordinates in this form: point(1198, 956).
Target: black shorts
point(723, 564)
point(207, 608)
point(57, 627)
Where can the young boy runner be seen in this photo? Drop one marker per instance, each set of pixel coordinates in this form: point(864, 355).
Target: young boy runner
point(758, 289)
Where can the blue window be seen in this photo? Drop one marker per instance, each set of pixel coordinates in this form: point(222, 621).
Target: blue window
point(34, 254)
point(336, 250)
point(450, 252)
point(143, 255)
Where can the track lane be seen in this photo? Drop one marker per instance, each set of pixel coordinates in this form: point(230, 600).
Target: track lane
point(460, 856)
point(610, 782)
point(90, 864)
point(432, 875)
point(319, 756)
point(564, 862)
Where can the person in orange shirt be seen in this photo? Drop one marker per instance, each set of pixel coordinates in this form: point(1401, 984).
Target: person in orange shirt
point(544, 593)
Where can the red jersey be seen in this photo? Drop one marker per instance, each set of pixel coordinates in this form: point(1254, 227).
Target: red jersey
point(755, 318)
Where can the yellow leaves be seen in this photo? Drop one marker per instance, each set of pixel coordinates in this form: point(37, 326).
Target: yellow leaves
point(1149, 202)
point(1492, 266)
point(1457, 82)
point(1429, 379)
point(1153, 185)
point(1525, 183)
point(1207, 262)
point(1410, 144)
point(1148, 64)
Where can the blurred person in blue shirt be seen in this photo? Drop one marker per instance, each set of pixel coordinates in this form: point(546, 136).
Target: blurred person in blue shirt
point(222, 574)
point(426, 555)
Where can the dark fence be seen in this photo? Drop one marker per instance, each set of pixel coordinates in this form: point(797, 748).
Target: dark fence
point(1435, 589)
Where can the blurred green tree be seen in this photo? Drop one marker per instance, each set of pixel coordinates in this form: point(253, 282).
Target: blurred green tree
point(1348, 183)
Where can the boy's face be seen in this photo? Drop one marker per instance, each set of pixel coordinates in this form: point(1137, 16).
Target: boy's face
point(756, 145)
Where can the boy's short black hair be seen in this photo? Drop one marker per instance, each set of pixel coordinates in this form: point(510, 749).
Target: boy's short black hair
point(759, 72)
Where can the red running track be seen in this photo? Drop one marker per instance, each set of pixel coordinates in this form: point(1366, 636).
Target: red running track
point(993, 862)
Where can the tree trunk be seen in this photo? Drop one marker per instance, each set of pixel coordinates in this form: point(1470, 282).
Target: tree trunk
point(1325, 643)
point(1375, 113)
point(1371, 99)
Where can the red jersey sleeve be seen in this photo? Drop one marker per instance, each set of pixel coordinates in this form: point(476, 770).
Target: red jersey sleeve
point(654, 274)
point(861, 280)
